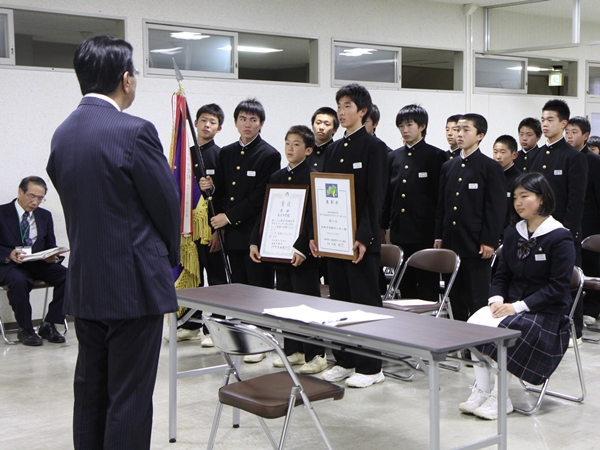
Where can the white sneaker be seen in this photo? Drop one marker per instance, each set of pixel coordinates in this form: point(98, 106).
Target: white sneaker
point(579, 342)
point(315, 365)
point(337, 373)
point(184, 334)
point(475, 400)
point(489, 409)
point(295, 359)
point(258, 357)
point(207, 341)
point(359, 380)
point(589, 320)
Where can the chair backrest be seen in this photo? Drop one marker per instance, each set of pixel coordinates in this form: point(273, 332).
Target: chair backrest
point(434, 260)
point(591, 243)
point(391, 256)
point(238, 339)
point(496, 256)
point(576, 286)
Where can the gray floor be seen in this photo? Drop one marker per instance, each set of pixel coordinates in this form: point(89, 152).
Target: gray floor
point(36, 407)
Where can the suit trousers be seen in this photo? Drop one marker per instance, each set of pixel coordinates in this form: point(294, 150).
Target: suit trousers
point(246, 271)
point(305, 281)
point(471, 288)
point(114, 382)
point(356, 283)
point(20, 282)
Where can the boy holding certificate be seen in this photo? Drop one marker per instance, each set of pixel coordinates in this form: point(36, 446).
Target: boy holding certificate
point(365, 157)
point(301, 275)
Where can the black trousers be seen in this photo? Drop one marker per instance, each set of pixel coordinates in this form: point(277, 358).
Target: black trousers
point(471, 287)
point(20, 282)
point(417, 283)
point(301, 280)
point(356, 283)
point(246, 271)
point(114, 382)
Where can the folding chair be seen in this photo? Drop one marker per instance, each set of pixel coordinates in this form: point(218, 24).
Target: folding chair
point(392, 257)
point(577, 287)
point(267, 396)
point(37, 284)
point(439, 260)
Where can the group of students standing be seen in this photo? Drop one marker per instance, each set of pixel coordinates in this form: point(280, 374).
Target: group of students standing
point(426, 197)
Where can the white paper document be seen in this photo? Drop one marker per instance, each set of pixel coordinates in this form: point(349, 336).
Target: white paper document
point(307, 314)
point(410, 302)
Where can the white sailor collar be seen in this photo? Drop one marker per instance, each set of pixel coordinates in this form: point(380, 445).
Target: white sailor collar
point(548, 225)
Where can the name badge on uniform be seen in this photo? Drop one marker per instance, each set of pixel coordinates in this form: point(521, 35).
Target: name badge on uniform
point(540, 257)
point(558, 172)
point(210, 171)
point(508, 195)
point(422, 174)
point(357, 165)
point(473, 186)
point(251, 173)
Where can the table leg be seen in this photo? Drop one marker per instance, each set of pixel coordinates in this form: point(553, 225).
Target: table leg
point(502, 394)
point(172, 377)
point(434, 404)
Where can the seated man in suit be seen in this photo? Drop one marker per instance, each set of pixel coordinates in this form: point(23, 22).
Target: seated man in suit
point(24, 225)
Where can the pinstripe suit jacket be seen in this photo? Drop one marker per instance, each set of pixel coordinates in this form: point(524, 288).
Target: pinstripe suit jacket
point(122, 213)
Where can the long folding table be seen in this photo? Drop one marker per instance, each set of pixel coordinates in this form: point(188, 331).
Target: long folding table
point(419, 336)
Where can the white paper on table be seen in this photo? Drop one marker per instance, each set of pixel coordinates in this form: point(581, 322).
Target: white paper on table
point(307, 314)
point(410, 302)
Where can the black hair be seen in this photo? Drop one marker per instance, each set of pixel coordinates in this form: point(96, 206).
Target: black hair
point(594, 141)
point(328, 111)
point(413, 112)
point(359, 95)
point(478, 120)
point(250, 106)
point(453, 118)
point(533, 123)
point(374, 114)
point(581, 122)
point(560, 107)
point(24, 184)
point(305, 133)
point(213, 109)
point(100, 63)
point(534, 182)
point(509, 141)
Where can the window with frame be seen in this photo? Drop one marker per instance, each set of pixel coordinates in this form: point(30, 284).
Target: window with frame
point(7, 44)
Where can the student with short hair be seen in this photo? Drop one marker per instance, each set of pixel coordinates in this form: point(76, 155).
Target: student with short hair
point(240, 181)
point(530, 132)
point(505, 152)
point(577, 133)
point(529, 293)
point(593, 144)
point(325, 124)
point(301, 275)
point(412, 197)
point(470, 213)
point(451, 123)
point(372, 122)
point(365, 157)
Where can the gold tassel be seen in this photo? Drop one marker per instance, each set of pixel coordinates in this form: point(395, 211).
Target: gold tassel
point(190, 276)
point(202, 230)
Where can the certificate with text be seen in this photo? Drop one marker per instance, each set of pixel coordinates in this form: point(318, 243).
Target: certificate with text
point(334, 214)
point(283, 216)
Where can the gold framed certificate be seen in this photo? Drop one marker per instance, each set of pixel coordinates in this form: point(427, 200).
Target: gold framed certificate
point(281, 223)
point(334, 214)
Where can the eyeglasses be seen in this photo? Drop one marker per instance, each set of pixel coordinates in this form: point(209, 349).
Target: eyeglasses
point(36, 198)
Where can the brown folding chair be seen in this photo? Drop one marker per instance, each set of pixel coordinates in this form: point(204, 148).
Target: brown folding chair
point(392, 257)
point(267, 396)
point(577, 287)
point(438, 260)
point(37, 284)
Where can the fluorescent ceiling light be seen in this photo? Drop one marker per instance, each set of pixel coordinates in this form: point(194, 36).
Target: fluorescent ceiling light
point(167, 51)
point(530, 69)
point(248, 49)
point(189, 36)
point(357, 51)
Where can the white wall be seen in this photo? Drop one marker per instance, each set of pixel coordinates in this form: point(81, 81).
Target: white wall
point(36, 101)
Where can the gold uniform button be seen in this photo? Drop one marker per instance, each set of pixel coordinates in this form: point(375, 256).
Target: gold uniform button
point(453, 223)
point(232, 199)
point(404, 181)
point(242, 152)
point(233, 182)
point(457, 194)
point(455, 208)
point(195, 165)
point(547, 152)
point(460, 179)
point(406, 167)
point(316, 164)
point(318, 153)
point(237, 168)
point(403, 195)
point(544, 166)
point(289, 178)
point(345, 144)
point(409, 154)
point(342, 160)
point(402, 210)
point(462, 165)
point(525, 158)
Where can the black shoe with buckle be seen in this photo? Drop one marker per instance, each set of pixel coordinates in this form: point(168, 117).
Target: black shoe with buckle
point(48, 331)
point(28, 337)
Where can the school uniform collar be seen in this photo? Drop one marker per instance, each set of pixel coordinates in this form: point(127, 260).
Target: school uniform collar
point(323, 146)
point(409, 147)
point(548, 225)
point(209, 144)
point(472, 155)
point(355, 134)
point(535, 147)
point(554, 144)
point(253, 143)
point(298, 167)
point(510, 167)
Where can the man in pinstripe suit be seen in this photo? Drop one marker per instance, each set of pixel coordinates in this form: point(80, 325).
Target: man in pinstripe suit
point(122, 214)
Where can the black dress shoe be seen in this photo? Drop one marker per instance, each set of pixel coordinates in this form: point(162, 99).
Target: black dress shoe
point(48, 331)
point(27, 336)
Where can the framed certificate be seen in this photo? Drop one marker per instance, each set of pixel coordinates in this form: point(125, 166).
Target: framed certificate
point(334, 214)
point(281, 224)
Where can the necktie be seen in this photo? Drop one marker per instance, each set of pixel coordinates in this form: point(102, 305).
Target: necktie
point(524, 247)
point(25, 229)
